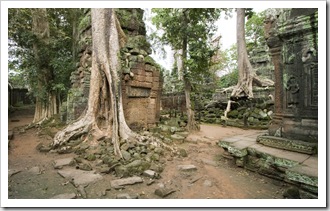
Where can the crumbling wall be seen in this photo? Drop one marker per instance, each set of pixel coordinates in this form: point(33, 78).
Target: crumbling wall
point(141, 79)
point(260, 60)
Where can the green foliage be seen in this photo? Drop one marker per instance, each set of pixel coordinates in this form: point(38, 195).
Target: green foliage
point(85, 22)
point(171, 83)
point(36, 61)
point(189, 29)
point(229, 79)
point(254, 31)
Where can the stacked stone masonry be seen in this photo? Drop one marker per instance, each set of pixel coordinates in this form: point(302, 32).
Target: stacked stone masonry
point(141, 80)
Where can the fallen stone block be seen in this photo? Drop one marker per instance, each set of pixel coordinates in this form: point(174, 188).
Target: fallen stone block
point(163, 192)
point(58, 164)
point(126, 181)
point(34, 170)
point(126, 196)
point(186, 167)
point(149, 173)
point(79, 177)
point(177, 137)
point(207, 183)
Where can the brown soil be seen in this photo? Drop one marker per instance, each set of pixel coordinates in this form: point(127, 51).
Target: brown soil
point(216, 177)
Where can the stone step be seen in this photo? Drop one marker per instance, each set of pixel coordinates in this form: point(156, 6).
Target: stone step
point(289, 166)
point(288, 144)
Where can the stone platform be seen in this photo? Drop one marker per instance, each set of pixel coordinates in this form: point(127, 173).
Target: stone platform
point(297, 169)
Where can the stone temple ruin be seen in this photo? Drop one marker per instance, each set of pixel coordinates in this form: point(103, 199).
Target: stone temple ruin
point(291, 36)
point(288, 151)
point(292, 40)
point(141, 81)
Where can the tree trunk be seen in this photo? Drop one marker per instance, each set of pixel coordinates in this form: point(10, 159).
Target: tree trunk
point(246, 76)
point(105, 114)
point(46, 103)
point(191, 124)
point(75, 35)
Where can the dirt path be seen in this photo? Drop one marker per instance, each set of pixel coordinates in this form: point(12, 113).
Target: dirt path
point(32, 175)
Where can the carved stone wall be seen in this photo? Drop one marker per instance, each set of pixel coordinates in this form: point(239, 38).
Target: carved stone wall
point(260, 60)
point(141, 80)
point(292, 39)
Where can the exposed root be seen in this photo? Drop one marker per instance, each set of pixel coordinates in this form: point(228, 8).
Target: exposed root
point(76, 129)
point(227, 109)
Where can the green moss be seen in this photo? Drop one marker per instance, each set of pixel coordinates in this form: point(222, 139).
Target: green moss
point(86, 22)
point(91, 157)
point(233, 114)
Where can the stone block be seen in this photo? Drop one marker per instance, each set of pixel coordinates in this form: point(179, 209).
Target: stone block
point(126, 181)
point(237, 152)
point(163, 192)
point(149, 173)
point(139, 78)
point(156, 73)
point(303, 174)
point(186, 167)
point(58, 164)
point(139, 84)
point(155, 78)
point(79, 177)
point(149, 79)
point(288, 144)
point(177, 137)
point(126, 196)
point(65, 196)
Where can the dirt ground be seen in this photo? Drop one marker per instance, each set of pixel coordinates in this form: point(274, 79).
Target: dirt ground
point(32, 175)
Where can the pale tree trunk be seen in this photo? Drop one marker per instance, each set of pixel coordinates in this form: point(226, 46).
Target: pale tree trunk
point(46, 103)
point(105, 114)
point(246, 76)
point(178, 59)
point(245, 71)
point(192, 125)
point(75, 35)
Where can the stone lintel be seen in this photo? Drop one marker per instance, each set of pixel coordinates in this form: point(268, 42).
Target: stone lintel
point(288, 144)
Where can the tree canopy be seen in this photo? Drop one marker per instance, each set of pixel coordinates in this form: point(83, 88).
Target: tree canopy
point(57, 52)
point(189, 30)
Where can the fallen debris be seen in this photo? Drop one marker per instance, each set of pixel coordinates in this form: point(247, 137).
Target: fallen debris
point(126, 181)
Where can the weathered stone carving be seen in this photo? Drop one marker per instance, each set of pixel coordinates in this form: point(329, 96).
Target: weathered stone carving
point(291, 35)
point(292, 88)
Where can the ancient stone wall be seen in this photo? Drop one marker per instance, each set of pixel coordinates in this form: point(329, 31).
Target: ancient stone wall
point(141, 80)
point(260, 60)
point(173, 102)
point(292, 38)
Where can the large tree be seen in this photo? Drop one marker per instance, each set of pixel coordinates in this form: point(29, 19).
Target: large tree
point(188, 30)
point(104, 116)
point(40, 52)
point(46, 102)
point(246, 75)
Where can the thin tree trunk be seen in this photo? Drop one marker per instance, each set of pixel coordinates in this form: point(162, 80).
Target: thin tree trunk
point(192, 125)
point(46, 104)
point(75, 34)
